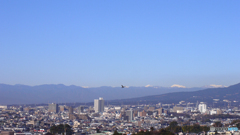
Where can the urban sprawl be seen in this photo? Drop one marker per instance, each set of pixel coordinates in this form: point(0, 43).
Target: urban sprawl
point(101, 119)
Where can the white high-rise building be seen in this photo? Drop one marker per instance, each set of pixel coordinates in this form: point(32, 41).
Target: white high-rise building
point(99, 105)
point(202, 107)
point(129, 114)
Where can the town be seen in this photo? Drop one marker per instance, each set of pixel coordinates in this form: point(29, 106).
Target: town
point(181, 118)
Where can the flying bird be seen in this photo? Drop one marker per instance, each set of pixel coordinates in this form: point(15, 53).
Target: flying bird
point(123, 86)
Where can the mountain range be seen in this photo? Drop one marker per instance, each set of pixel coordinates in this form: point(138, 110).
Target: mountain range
point(51, 93)
point(209, 95)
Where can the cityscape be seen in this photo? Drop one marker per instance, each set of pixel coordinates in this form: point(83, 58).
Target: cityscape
point(101, 118)
point(119, 67)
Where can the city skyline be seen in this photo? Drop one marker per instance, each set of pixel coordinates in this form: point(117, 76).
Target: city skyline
point(119, 67)
point(113, 43)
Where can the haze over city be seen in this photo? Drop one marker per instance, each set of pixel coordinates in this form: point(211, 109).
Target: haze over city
point(113, 43)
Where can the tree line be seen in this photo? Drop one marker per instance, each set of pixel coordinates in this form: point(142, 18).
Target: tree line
point(61, 129)
point(172, 129)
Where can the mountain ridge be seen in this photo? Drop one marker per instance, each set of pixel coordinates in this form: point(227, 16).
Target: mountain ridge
point(60, 93)
point(231, 93)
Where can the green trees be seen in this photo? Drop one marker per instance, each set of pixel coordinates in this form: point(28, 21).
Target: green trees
point(61, 129)
point(217, 124)
point(173, 127)
point(173, 124)
point(155, 132)
point(238, 125)
point(98, 130)
point(152, 129)
point(195, 128)
point(165, 132)
point(236, 122)
point(205, 128)
point(116, 133)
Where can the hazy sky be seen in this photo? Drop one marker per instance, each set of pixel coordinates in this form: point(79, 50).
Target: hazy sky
point(130, 42)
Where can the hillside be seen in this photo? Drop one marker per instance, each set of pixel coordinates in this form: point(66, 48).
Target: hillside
point(23, 94)
point(231, 93)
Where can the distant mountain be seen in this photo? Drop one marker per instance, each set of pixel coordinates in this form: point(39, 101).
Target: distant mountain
point(231, 93)
point(23, 94)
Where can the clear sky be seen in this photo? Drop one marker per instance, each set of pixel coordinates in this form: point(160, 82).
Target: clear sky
point(113, 42)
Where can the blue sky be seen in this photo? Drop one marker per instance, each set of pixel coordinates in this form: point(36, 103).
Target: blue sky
point(109, 43)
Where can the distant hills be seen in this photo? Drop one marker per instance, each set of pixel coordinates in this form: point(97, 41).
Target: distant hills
point(23, 94)
point(231, 93)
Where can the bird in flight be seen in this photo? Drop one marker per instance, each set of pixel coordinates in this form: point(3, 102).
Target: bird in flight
point(123, 86)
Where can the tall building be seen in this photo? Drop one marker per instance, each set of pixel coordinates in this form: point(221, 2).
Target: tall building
point(160, 111)
point(219, 111)
point(70, 110)
point(62, 108)
point(166, 111)
point(197, 104)
point(53, 108)
point(129, 115)
point(143, 113)
point(81, 109)
point(135, 113)
point(99, 105)
point(202, 107)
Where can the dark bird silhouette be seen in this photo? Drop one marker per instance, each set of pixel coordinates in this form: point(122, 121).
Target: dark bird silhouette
point(123, 86)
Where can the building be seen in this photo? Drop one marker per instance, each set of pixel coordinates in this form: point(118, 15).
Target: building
point(135, 113)
point(139, 123)
point(166, 111)
point(197, 104)
point(53, 108)
point(160, 111)
point(25, 133)
point(219, 111)
point(143, 113)
point(213, 111)
point(145, 108)
point(81, 109)
point(21, 108)
point(99, 105)
point(151, 108)
point(7, 133)
point(3, 107)
point(202, 107)
point(177, 108)
point(70, 110)
point(62, 108)
point(129, 115)
point(233, 129)
point(27, 109)
point(79, 116)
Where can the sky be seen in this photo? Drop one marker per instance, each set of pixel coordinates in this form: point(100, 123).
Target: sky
point(120, 42)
